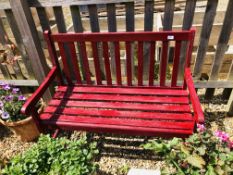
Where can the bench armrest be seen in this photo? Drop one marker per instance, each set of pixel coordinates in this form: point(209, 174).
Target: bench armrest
point(198, 113)
point(27, 108)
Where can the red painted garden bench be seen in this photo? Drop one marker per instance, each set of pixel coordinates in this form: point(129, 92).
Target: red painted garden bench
point(101, 102)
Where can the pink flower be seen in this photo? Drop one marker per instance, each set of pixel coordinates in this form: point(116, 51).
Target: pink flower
point(222, 136)
point(201, 127)
point(230, 144)
point(21, 98)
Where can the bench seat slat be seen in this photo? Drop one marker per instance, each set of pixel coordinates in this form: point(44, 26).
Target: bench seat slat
point(137, 91)
point(120, 105)
point(120, 114)
point(187, 125)
point(122, 98)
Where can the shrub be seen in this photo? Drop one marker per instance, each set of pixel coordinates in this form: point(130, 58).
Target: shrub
point(204, 153)
point(55, 156)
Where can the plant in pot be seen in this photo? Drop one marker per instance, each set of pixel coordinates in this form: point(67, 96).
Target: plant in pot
point(11, 102)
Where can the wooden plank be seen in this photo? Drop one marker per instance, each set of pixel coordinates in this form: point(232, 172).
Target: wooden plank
point(5, 71)
point(27, 29)
point(122, 106)
point(148, 26)
point(119, 114)
point(17, 69)
point(61, 26)
point(136, 91)
point(94, 23)
point(112, 27)
point(107, 63)
point(121, 122)
point(130, 26)
point(3, 36)
point(44, 22)
point(187, 23)
point(122, 98)
point(19, 41)
point(29, 83)
point(227, 91)
point(168, 14)
point(230, 105)
point(78, 27)
point(204, 37)
point(221, 47)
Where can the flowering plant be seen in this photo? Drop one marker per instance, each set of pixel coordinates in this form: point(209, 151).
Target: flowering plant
point(203, 153)
point(11, 102)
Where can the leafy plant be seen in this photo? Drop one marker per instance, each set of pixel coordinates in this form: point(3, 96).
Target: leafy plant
point(123, 169)
point(55, 157)
point(203, 153)
point(11, 102)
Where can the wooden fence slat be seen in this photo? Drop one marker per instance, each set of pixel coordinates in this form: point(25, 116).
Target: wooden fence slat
point(148, 26)
point(221, 47)
point(19, 41)
point(207, 25)
point(94, 22)
point(168, 14)
point(227, 91)
point(5, 71)
point(78, 27)
point(112, 27)
point(31, 40)
point(187, 23)
point(130, 26)
point(17, 69)
point(61, 26)
point(230, 105)
point(44, 22)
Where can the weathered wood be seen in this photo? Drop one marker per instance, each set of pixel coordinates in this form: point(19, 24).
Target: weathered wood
point(112, 27)
point(148, 26)
point(31, 40)
point(187, 23)
point(78, 27)
point(61, 26)
point(230, 105)
point(168, 14)
point(205, 35)
point(17, 69)
point(26, 83)
point(221, 46)
point(130, 26)
point(3, 35)
point(5, 71)
point(94, 23)
point(19, 41)
point(44, 22)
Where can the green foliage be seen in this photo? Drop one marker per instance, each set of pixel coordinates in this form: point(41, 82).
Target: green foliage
point(200, 154)
point(123, 169)
point(55, 157)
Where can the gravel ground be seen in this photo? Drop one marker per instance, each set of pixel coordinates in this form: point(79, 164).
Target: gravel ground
point(119, 153)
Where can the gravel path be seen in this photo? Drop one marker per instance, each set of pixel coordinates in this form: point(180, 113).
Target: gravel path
point(119, 153)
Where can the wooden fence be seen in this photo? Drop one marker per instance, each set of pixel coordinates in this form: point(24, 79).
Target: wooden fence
point(23, 22)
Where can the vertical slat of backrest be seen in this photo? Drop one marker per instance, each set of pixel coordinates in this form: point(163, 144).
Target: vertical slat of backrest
point(130, 25)
point(78, 27)
point(62, 29)
point(187, 23)
point(221, 47)
point(65, 62)
point(75, 62)
point(118, 63)
point(53, 55)
point(96, 63)
point(128, 63)
point(140, 63)
point(176, 64)
point(18, 39)
point(94, 22)
point(163, 63)
point(107, 63)
point(112, 27)
point(152, 63)
point(85, 62)
point(148, 26)
point(207, 25)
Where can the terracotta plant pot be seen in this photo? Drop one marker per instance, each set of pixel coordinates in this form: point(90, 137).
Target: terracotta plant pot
point(26, 129)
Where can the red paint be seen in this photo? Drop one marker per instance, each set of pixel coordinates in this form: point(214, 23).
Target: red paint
point(116, 107)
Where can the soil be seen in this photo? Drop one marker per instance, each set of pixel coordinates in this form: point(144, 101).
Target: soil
point(119, 153)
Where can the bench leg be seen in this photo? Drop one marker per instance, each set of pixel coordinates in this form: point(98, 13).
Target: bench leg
point(54, 135)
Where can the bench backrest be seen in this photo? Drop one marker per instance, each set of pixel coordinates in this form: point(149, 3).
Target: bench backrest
point(76, 64)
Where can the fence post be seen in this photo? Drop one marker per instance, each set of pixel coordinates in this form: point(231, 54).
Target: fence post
point(230, 105)
point(31, 40)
